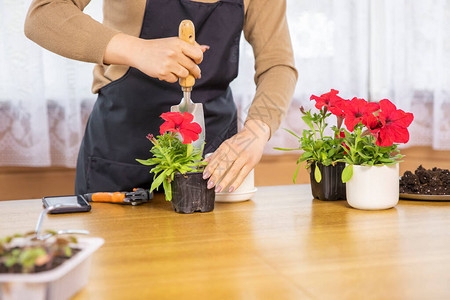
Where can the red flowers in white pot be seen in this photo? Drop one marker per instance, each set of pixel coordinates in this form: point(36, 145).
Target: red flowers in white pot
point(373, 131)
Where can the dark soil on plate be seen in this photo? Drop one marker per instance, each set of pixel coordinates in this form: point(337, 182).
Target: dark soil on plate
point(56, 261)
point(426, 182)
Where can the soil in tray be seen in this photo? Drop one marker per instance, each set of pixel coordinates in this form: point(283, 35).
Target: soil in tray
point(58, 260)
point(426, 182)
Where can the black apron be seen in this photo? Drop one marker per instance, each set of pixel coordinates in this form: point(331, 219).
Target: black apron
point(129, 108)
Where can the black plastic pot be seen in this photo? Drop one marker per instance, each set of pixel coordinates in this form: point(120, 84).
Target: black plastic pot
point(330, 188)
point(190, 193)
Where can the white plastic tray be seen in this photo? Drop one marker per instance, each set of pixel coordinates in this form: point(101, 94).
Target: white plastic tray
point(60, 283)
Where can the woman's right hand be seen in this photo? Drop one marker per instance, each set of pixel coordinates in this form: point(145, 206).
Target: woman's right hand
point(166, 59)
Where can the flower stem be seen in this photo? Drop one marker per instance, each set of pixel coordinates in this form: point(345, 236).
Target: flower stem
point(163, 153)
point(357, 139)
point(322, 123)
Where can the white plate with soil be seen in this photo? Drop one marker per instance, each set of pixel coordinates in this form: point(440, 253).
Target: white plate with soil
point(428, 182)
point(425, 197)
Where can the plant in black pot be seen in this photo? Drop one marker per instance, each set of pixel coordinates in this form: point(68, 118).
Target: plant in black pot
point(323, 153)
point(177, 165)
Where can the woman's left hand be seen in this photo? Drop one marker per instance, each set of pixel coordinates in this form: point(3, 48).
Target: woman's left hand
point(237, 156)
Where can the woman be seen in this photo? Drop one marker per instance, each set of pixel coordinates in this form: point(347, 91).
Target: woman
point(139, 60)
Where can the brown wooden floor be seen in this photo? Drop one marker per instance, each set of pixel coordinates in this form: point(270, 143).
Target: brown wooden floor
point(26, 183)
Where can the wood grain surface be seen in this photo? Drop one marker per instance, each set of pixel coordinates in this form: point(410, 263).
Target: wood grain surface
point(280, 245)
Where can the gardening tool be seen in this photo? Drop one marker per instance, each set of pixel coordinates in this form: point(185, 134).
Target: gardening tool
point(48, 235)
point(136, 197)
point(187, 34)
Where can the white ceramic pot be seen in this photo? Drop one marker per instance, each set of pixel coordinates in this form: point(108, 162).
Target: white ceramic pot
point(373, 188)
point(243, 193)
point(57, 284)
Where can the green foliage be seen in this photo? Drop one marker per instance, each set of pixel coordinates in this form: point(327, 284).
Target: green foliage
point(27, 252)
point(347, 173)
point(169, 156)
point(362, 150)
point(316, 146)
point(317, 174)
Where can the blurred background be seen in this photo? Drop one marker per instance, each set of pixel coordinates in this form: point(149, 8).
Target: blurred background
point(371, 49)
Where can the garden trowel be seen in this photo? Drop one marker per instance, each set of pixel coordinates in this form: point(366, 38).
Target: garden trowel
point(187, 34)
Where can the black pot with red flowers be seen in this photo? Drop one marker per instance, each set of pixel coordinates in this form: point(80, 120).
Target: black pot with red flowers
point(177, 165)
point(323, 153)
point(190, 193)
point(330, 187)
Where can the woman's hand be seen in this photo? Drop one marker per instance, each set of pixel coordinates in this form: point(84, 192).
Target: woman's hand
point(166, 59)
point(237, 156)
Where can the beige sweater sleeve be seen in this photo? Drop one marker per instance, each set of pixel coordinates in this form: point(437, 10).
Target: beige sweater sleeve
point(266, 29)
point(62, 27)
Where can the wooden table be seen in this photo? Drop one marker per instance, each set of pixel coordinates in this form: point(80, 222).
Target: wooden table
point(281, 245)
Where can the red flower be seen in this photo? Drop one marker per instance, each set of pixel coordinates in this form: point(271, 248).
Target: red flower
point(331, 101)
point(374, 126)
point(372, 123)
point(181, 123)
point(394, 124)
point(341, 135)
point(357, 110)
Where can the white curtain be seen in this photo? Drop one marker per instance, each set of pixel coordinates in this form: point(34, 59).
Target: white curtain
point(45, 99)
point(410, 64)
point(331, 46)
point(375, 49)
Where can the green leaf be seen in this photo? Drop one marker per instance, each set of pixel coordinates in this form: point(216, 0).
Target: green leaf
point(317, 174)
point(145, 162)
point(68, 251)
point(363, 155)
point(331, 152)
point(296, 172)
point(386, 160)
point(189, 149)
point(308, 121)
point(73, 239)
point(158, 180)
point(318, 145)
point(52, 232)
point(347, 173)
point(167, 190)
point(305, 155)
point(327, 162)
point(28, 257)
point(285, 149)
point(291, 132)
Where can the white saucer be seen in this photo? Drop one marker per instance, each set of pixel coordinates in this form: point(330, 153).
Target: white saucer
point(235, 197)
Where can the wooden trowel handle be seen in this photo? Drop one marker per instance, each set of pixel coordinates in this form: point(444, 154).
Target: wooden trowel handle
point(186, 32)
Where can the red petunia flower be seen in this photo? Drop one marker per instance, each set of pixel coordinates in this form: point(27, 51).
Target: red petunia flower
point(395, 124)
point(181, 123)
point(356, 110)
point(342, 135)
point(374, 126)
point(331, 101)
point(372, 123)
